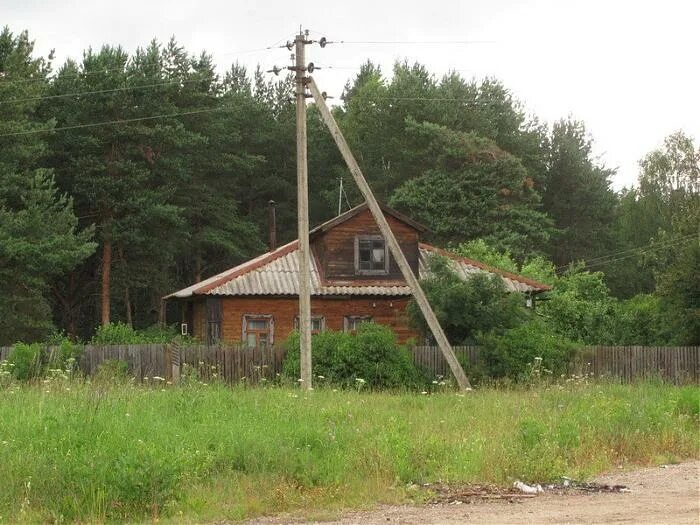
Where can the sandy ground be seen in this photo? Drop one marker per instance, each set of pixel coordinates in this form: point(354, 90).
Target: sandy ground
point(658, 495)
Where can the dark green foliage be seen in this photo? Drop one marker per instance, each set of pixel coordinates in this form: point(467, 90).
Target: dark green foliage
point(513, 353)
point(577, 196)
point(471, 188)
point(39, 235)
point(642, 320)
point(369, 358)
point(466, 308)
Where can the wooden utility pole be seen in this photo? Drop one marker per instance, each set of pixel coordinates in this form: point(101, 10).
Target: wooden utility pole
point(390, 239)
point(303, 214)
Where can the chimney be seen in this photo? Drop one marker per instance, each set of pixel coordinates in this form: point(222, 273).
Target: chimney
point(272, 224)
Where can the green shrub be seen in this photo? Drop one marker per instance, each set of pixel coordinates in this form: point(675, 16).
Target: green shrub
point(370, 357)
point(465, 308)
point(688, 402)
point(514, 353)
point(123, 334)
point(112, 371)
point(26, 360)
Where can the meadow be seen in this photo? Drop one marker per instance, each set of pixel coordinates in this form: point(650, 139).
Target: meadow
point(72, 451)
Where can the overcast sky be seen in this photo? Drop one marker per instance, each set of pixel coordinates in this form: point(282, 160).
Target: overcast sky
point(629, 69)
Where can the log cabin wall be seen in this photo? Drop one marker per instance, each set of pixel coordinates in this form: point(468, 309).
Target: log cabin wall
point(386, 311)
point(335, 249)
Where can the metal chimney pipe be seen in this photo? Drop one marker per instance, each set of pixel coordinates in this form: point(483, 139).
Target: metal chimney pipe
point(272, 224)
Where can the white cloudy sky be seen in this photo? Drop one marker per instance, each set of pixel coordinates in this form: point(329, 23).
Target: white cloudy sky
point(629, 69)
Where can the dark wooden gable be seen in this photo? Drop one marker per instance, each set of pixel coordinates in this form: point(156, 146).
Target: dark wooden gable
point(335, 246)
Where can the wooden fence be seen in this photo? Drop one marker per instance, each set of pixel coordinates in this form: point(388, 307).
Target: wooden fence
point(233, 363)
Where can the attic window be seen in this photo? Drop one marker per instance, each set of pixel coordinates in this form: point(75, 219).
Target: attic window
point(371, 257)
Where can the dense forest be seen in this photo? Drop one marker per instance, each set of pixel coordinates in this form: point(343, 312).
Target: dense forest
point(126, 176)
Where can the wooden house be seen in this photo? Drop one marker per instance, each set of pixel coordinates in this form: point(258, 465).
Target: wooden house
point(353, 279)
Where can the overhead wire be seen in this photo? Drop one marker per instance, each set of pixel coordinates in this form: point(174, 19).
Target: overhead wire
point(101, 91)
point(114, 122)
point(112, 70)
point(637, 248)
point(642, 250)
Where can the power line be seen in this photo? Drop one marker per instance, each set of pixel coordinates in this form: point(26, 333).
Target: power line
point(638, 248)
point(682, 241)
point(111, 70)
point(418, 42)
point(100, 91)
point(116, 122)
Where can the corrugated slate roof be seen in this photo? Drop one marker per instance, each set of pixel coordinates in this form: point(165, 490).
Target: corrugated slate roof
point(277, 273)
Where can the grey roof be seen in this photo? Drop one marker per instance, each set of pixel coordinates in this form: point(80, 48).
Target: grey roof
point(277, 273)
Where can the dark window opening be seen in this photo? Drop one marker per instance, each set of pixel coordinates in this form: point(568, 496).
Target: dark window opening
point(371, 257)
point(214, 316)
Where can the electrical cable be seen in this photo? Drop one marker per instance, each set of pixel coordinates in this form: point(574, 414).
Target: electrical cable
point(100, 91)
point(114, 122)
point(636, 249)
point(111, 70)
point(643, 251)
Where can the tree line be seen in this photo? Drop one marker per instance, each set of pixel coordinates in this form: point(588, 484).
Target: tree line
point(126, 176)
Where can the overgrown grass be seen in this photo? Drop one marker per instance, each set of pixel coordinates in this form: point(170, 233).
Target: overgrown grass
point(75, 452)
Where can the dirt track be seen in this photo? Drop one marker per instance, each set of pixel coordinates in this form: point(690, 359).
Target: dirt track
point(668, 495)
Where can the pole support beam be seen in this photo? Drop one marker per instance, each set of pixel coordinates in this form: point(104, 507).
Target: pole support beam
point(389, 238)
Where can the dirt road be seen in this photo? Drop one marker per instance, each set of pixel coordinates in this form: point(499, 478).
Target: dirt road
point(658, 495)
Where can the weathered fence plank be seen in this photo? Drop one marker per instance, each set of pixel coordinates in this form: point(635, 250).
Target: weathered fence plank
point(233, 363)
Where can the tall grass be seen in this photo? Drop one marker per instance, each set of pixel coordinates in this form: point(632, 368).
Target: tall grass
point(75, 452)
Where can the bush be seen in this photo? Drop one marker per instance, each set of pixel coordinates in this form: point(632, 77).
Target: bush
point(369, 357)
point(123, 334)
point(26, 360)
point(465, 308)
point(112, 371)
point(514, 353)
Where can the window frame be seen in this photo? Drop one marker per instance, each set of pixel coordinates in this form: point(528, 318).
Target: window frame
point(356, 320)
point(269, 319)
point(320, 318)
point(371, 271)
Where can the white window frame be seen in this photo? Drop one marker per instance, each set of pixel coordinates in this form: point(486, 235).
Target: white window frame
point(373, 271)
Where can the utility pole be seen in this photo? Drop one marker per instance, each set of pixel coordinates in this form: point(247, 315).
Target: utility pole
point(389, 237)
point(303, 213)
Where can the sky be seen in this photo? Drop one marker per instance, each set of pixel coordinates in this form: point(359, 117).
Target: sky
point(628, 69)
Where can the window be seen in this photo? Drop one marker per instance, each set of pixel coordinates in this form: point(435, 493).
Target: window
point(371, 257)
point(214, 314)
point(351, 322)
point(258, 330)
point(318, 324)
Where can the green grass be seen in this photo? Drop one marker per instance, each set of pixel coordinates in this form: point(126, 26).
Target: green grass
point(74, 452)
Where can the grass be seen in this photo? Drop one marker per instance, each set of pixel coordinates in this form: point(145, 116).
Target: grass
point(74, 452)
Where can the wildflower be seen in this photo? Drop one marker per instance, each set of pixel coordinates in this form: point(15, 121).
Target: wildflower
point(435, 382)
point(158, 378)
point(424, 392)
point(360, 380)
